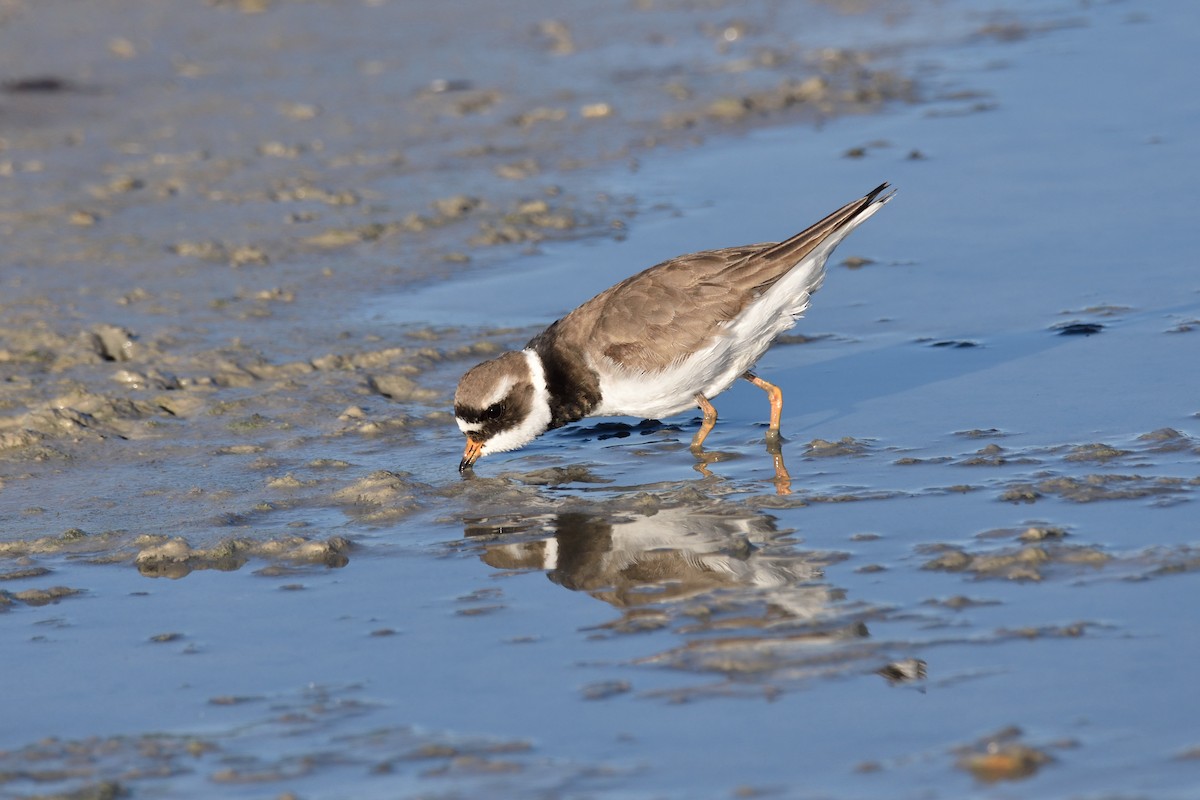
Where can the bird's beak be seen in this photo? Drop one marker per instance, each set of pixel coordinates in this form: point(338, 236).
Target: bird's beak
point(471, 454)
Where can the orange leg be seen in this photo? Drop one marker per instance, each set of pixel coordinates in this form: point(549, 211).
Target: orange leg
point(776, 396)
point(710, 419)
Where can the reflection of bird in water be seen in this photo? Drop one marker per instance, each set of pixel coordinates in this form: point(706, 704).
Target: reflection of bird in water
point(669, 556)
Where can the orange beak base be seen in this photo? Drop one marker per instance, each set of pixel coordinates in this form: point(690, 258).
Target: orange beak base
point(471, 454)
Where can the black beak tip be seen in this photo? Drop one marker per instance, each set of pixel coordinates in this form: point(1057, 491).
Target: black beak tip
point(464, 466)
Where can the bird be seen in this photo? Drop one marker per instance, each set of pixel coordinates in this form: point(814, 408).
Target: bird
point(669, 338)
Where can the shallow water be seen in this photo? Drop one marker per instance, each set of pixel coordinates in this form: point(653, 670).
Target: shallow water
point(1004, 511)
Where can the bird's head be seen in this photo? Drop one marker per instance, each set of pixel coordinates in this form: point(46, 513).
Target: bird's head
point(498, 406)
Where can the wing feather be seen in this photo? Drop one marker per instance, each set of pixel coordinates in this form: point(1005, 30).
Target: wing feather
point(672, 309)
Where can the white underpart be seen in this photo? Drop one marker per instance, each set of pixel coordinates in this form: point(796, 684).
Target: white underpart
point(736, 348)
point(538, 420)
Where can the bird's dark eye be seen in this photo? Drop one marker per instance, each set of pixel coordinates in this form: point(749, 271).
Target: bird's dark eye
point(494, 410)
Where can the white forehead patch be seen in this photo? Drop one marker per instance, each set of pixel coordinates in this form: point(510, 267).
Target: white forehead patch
point(500, 391)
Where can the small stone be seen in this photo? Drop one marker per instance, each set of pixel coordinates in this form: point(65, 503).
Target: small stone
point(596, 111)
point(122, 47)
point(559, 36)
point(1022, 493)
point(952, 561)
point(43, 597)
point(299, 111)
point(728, 108)
point(518, 170)
point(1036, 534)
point(456, 206)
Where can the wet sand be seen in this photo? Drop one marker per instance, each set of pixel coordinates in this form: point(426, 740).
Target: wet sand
point(250, 246)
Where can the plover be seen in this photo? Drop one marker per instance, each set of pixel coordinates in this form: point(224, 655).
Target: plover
point(667, 339)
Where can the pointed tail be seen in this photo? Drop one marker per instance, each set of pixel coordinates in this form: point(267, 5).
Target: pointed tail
point(797, 247)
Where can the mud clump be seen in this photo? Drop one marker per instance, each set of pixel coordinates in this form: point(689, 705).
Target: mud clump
point(1168, 561)
point(993, 455)
point(1096, 487)
point(80, 416)
point(558, 476)
point(23, 572)
point(1020, 565)
point(1002, 757)
point(1169, 440)
point(981, 433)
point(456, 206)
point(400, 388)
point(846, 446)
point(1040, 552)
point(36, 597)
point(846, 85)
point(175, 558)
point(72, 540)
point(379, 497)
point(1038, 534)
point(1021, 493)
point(111, 343)
point(1095, 452)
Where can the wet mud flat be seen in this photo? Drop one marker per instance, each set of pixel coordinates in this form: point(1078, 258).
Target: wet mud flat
point(236, 557)
point(187, 192)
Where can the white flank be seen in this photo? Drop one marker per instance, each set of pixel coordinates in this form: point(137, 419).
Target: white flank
point(735, 347)
point(533, 425)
